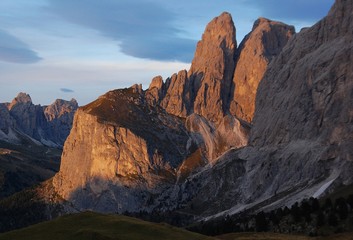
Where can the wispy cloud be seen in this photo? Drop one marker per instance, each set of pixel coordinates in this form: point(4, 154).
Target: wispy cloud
point(14, 50)
point(142, 29)
point(66, 90)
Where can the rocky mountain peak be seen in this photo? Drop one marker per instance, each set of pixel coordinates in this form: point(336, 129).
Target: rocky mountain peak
point(155, 90)
point(59, 108)
point(222, 78)
point(212, 68)
point(178, 95)
point(217, 39)
point(265, 41)
point(49, 125)
point(137, 88)
point(157, 82)
point(258, 22)
point(261, 21)
point(74, 101)
point(21, 98)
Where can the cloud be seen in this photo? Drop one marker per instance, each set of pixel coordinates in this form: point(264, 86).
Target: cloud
point(14, 50)
point(142, 29)
point(161, 49)
point(66, 90)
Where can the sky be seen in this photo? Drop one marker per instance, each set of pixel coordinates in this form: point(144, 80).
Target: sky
point(83, 48)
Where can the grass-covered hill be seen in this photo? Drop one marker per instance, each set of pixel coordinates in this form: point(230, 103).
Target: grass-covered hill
point(96, 226)
point(89, 225)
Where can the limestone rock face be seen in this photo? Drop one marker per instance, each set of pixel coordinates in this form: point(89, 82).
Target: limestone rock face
point(212, 68)
point(255, 52)
point(155, 90)
point(312, 77)
point(48, 125)
point(60, 108)
point(125, 148)
point(59, 116)
point(178, 97)
point(304, 103)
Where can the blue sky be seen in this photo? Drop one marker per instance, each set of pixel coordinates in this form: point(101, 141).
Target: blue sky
point(83, 48)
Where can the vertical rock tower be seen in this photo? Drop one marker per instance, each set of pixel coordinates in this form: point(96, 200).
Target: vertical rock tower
point(212, 68)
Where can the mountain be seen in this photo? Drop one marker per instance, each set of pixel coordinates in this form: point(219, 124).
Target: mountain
point(300, 143)
point(30, 140)
point(200, 145)
point(130, 149)
point(48, 125)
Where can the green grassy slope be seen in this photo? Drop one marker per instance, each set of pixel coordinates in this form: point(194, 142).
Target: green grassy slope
point(89, 225)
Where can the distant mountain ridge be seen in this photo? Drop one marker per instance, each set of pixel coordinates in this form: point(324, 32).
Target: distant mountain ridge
point(48, 125)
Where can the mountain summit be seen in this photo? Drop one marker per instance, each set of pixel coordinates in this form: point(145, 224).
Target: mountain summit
point(255, 52)
point(21, 98)
point(212, 68)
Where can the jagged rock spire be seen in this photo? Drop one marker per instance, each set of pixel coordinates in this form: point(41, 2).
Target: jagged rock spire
point(265, 41)
point(213, 66)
